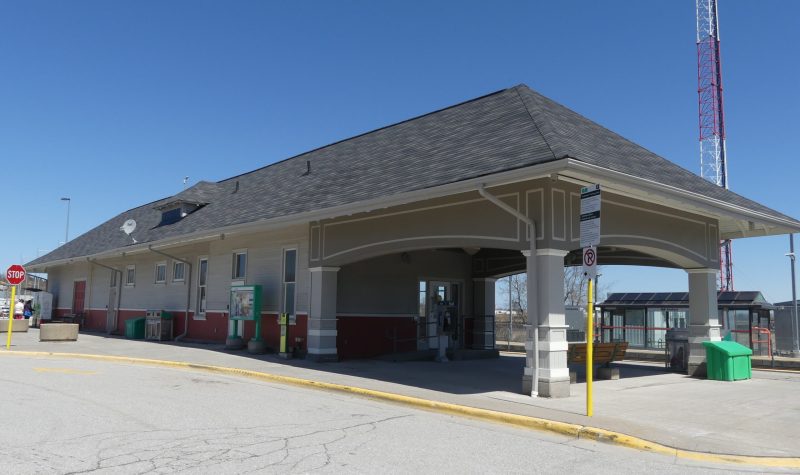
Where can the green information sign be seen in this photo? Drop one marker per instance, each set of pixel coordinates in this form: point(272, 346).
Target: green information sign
point(245, 302)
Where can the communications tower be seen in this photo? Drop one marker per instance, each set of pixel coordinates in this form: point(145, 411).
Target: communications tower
point(713, 163)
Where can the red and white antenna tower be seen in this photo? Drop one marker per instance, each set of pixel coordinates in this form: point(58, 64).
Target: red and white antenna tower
point(713, 163)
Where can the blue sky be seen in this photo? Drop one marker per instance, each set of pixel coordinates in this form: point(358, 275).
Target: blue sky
point(113, 103)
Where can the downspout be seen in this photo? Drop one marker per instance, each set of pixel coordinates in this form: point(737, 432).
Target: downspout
point(531, 285)
point(119, 291)
point(188, 291)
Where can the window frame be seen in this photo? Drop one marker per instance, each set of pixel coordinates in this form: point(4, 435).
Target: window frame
point(235, 275)
point(201, 284)
point(284, 282)
point(130, 268)
point(155, 273)
point(175, 264)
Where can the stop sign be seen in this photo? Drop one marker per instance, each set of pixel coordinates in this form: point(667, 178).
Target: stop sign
point(15, 274)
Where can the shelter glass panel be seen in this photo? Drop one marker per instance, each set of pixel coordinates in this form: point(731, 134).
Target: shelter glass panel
point(656, 327)
point(634, 327)
point(677, 318)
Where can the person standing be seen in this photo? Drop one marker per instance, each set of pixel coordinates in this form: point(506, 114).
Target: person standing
point(27, 310)
point(19, 307)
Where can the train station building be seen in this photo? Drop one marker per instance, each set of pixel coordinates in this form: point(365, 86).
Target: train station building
point(363, 242)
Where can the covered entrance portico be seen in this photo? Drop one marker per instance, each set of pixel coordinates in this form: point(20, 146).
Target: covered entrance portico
point(376, 274)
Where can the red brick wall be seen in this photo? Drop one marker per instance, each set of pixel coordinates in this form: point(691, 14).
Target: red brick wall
point(365, 337)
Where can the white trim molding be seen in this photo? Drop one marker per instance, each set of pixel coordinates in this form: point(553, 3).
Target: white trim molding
point(551, 252)
point(701, 271)
point(324, 269)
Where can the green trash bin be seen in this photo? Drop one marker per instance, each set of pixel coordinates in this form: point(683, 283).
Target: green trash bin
point(727, 360)
point(134, 328)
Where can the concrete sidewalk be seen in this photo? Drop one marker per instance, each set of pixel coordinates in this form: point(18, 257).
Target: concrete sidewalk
point(758, 417)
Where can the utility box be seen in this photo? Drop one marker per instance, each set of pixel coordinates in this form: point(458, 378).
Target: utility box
point(134, 328)
point(727, 360)
point(158, 325)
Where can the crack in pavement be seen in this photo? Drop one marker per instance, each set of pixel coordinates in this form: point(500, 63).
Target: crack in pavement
point(282, 448)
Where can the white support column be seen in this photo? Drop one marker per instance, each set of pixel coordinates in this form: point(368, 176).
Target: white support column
point(322, 314)
point(483, 336)
point(703, 317)
point(546, 309)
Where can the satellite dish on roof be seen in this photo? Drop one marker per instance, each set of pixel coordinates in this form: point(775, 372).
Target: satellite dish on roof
point(128, 227)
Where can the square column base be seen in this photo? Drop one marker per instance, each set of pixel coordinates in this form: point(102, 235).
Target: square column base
point(697, 370)
point(546, 388)
point(696, 364)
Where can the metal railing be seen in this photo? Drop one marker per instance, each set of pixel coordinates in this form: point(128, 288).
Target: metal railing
point(755, 340)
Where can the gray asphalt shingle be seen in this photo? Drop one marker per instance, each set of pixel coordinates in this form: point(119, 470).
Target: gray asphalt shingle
point(506, 130)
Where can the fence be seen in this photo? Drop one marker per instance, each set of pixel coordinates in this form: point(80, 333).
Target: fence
point(510, 330)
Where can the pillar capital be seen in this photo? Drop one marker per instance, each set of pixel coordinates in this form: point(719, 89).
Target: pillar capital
point(324, 269)
point(701, 271)
point(551, 252)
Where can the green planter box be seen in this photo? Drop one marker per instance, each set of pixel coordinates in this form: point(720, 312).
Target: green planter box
point(134, 328)
point(727, 360)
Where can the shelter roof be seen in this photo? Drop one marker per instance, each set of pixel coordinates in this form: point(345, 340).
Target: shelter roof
point(681, 299)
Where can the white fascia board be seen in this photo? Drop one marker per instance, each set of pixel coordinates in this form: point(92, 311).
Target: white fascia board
point(657, 193)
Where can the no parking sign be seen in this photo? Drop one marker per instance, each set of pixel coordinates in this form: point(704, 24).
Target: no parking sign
point(590, 262)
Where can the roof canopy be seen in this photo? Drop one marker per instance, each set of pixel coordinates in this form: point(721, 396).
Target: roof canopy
point(681, 299)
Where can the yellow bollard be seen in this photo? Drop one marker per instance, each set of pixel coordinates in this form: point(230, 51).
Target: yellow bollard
point(11, 315)
point(589, 350)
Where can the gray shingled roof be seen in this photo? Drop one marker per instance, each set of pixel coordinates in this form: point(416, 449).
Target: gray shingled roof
point(506, 130)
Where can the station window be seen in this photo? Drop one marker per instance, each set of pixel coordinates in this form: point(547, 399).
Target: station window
point(289, 280)
point(239, 265)
point(130, 275)
point(178, 271)
point(202, 275)
point(161, 272)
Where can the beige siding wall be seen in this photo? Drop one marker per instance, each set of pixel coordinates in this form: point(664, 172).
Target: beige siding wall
point(62, 285)
point(389, 285)
point(468, 220)
point(264, 267)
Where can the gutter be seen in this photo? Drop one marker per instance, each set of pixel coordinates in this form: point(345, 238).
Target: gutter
point(119, 291)
point(188, 290)
point(532, 283)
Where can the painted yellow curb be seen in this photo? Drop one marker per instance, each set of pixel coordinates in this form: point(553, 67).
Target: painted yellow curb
point(527, 422)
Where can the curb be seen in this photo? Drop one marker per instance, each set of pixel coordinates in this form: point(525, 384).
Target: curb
point(526, 422)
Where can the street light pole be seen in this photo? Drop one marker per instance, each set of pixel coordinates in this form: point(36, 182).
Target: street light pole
point(795, 320)
point(66, 232)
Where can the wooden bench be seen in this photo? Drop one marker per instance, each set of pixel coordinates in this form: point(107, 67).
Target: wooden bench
point(602, 354)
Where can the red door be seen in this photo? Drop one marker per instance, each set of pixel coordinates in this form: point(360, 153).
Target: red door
point(78, 297)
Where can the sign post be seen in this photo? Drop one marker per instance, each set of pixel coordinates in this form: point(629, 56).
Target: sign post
point(15, 275)
point(590, 237)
